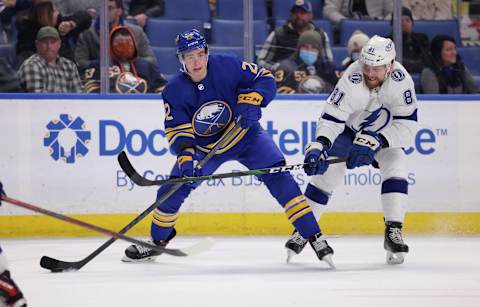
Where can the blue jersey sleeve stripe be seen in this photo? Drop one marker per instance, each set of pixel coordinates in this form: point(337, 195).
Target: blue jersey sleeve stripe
point(332, 119)
point(412, 116)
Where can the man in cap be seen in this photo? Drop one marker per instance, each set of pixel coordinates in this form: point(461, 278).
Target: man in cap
point(416, 46)
point(306, 71)
point(46, 71)
point(282, 42)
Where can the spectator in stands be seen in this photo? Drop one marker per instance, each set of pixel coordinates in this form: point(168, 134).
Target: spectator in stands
point(354, 47)
point(430, 9)
point(307, 70)
point(128, 75)
point(46, 71)
point(415, 45)
point(446, 73)
point(282, 42)
point(87, 51)
point(69, 7)
point(14, 9)
point(141, 10)
point(336, 10)
point(9, 82)
point(44, 13)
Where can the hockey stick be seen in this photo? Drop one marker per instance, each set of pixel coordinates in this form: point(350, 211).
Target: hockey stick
point(61, 266)
point(139, 180)
point(174, 252)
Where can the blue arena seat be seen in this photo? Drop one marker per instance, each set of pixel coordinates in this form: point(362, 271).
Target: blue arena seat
point(236, 51)
point(281, 8)
point(162, 32)
point(233, 9)
point(230, 32)
point(369, 27)
point(471, 58)
point(167, 60)
point(7, 52)
point(339, 54)
point(187, 9)
point(434, 27)
point(324, 24)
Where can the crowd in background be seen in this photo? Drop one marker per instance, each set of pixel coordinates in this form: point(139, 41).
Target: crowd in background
point(57, 46)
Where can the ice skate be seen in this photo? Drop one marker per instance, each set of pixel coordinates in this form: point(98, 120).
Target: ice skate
point(393, 244)
point(10, 294)
point(295, 245)
point(322, 249)
point(138, 253)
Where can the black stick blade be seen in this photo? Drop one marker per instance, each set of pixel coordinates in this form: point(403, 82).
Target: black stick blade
point(127, 167)
point(57, 266)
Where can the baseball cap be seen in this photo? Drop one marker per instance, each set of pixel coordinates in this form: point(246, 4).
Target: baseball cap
point(303, 4)
point(47, 31)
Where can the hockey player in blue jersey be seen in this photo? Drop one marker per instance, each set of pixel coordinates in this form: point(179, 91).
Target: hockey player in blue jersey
point(10, 294)
point(201, 105)
point(369, 117)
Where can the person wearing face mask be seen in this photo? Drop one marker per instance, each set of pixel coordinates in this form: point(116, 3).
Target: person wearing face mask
point(445, 73)
point(354, 47)
point(306, 71)
point(128, 73)
point(282, 42)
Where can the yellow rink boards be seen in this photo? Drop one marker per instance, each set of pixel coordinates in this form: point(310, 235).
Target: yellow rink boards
point(352, 223)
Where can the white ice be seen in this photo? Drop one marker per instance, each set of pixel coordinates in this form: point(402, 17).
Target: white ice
point(251, 271)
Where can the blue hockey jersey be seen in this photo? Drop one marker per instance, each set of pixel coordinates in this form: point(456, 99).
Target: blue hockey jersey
point(197, 114)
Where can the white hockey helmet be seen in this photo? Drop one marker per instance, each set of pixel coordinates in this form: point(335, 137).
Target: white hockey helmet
point(378, 51)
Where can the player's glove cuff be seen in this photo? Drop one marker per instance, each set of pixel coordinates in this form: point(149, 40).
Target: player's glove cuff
point(368, 139)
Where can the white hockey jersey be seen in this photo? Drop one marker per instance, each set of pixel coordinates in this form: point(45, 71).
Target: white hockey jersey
point(390, 108)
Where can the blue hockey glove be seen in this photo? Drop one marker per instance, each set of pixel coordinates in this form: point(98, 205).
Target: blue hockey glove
point(365, 145)
point(2, 192)
point(315, 157)
point(185, 161)
point(248, 106)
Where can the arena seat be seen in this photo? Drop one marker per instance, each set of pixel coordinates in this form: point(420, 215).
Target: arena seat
point(187, 9)
point(167, 60)
point(162, 32)
point(233, 9)
point(339, 53)
point(471, 58)
point(434, 27)
point(7, 52)
point(230, 32)
point(236, 51)
point(369, 27)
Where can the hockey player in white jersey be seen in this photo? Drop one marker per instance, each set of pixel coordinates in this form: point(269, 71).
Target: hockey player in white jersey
point(369, 118)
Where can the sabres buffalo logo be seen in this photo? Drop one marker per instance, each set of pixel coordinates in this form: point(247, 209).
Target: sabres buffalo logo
point(211, 118)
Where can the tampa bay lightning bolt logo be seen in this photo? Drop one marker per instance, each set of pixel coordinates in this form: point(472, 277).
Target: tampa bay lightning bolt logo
point(355, 78)
point(211, 118)
point(67, 138)
point(376, 120)
point(397, 75)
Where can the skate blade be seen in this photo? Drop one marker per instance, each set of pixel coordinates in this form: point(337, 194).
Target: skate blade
point(395, 258)
point(290, 255)
point(143, 260)
point(329, 261)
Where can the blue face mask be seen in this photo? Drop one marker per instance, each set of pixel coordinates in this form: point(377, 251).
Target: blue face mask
point(309, 57)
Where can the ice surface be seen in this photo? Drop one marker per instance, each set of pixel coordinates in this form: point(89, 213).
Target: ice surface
point(251, 271)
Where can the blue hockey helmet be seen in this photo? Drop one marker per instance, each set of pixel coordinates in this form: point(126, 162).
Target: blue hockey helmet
point(190, 40)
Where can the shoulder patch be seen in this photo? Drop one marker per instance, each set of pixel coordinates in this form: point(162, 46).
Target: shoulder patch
point(355, 78)
point(397, 75)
